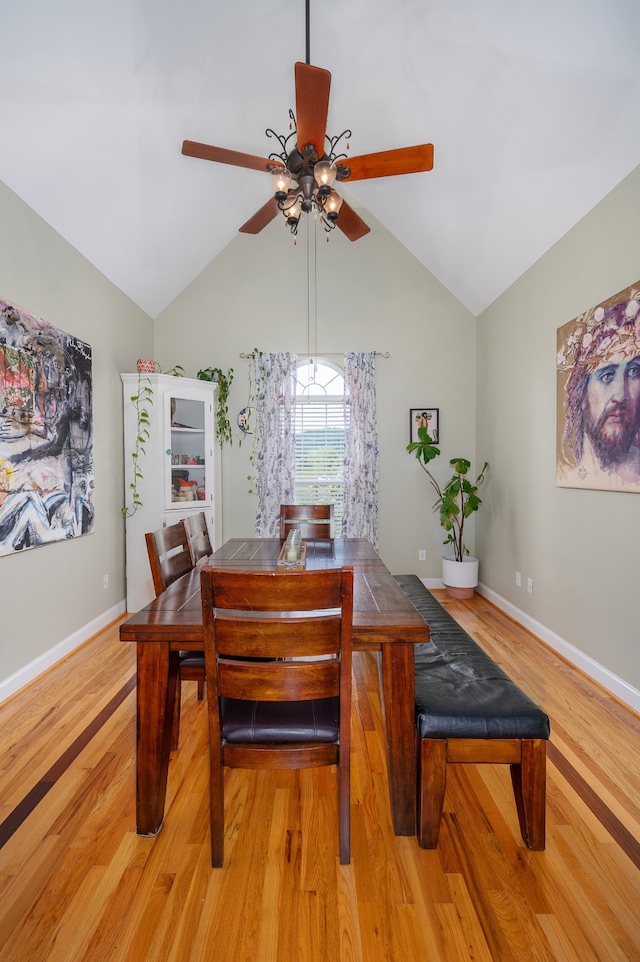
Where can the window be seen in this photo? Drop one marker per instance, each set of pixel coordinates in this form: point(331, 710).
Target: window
point(320, 414)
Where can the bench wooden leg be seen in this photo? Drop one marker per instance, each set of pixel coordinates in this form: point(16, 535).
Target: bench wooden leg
point(529, 780)
point(432, 781)
point(528, 762)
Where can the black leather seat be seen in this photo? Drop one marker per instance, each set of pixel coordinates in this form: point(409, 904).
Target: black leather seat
point(438, 618)
point(462, 693)
point(315, 720)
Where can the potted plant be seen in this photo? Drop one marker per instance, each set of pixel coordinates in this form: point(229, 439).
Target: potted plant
point(456, 502)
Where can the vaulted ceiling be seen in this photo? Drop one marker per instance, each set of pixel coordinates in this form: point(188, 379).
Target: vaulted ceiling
point(533, 109)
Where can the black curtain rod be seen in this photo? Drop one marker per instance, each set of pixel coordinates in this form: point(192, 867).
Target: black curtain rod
point(322, 354)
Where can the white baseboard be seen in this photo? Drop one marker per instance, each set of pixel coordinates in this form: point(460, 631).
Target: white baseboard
point(9, 686)
point(432, 582)
point(617, 686)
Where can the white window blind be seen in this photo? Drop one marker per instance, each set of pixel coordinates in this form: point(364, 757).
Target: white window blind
point(320, 437)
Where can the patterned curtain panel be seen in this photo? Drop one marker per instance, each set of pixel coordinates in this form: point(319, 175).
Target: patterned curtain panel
point(360, 519)
point(274, 385)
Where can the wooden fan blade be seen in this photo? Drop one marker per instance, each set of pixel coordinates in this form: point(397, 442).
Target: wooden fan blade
point(389, 163)
point(312, 105)
point(261, 218)
point(223, 156)
point(350, 223)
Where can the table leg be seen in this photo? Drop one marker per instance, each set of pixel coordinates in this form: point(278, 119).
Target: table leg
point(398, 693)
point(156, 690)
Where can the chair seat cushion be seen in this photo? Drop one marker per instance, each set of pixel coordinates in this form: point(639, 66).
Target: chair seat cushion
point(280, 722)
point(191, 659)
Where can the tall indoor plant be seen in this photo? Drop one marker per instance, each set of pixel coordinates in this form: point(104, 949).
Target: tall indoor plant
point(455, 502)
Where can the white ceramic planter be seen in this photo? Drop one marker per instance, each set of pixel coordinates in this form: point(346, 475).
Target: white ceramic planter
point(460, 578)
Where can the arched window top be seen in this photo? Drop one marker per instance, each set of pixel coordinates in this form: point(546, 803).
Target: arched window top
point(319, 378)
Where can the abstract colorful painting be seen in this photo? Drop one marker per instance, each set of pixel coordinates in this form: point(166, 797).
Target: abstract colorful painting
point(598, 400)
point(46, 433)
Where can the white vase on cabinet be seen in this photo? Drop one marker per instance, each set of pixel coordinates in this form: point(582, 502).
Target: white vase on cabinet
point(180, 468)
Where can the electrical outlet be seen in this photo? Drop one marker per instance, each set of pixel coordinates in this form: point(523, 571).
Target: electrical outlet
point(530, 585)
point(105, 581)
point(422, 555)
point(518, 580)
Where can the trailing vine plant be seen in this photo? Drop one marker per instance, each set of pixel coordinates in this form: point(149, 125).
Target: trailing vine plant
point(224, 381)
point(141, 401)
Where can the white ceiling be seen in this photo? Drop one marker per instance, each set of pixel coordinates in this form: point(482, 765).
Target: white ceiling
point(533, 108)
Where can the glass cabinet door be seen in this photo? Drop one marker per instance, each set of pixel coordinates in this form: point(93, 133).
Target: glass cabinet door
point(187, 449)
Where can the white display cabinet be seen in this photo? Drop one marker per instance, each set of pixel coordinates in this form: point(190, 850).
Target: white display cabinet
point(180, 467)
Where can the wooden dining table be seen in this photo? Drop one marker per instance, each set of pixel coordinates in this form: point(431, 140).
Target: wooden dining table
point(384, 621)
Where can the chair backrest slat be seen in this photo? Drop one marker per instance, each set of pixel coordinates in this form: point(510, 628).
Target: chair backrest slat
point(264, 637)
point(314, 521)
point(299, 591)
point(279, 680)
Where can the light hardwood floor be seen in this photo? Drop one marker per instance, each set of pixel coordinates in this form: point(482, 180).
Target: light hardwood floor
point(78, 885)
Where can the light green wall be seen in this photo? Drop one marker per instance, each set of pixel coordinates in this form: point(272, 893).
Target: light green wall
point(371, 295)
point(579, 546)
point(48, 594)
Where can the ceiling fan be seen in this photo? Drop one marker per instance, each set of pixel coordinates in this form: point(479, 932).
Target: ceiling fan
point(308, 164)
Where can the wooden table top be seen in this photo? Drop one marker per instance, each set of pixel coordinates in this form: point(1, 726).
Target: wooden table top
point(382, 612)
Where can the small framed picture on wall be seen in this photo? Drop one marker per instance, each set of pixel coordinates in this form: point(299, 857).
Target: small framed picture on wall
point(424, 417)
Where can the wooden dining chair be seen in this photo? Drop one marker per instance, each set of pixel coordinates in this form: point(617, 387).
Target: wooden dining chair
point(198, 537)
point(314, 521)
point(170, 557)
point(291, 708)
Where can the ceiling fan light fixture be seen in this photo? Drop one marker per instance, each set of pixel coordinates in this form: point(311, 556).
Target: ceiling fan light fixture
point(293, 211)
point(281, 180)
point(332, 205)
point(325, 174)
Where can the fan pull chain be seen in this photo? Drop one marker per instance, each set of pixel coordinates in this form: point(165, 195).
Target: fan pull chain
point(315, 290)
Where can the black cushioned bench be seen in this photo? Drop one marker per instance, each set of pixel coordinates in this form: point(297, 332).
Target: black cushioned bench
point(468, 710)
